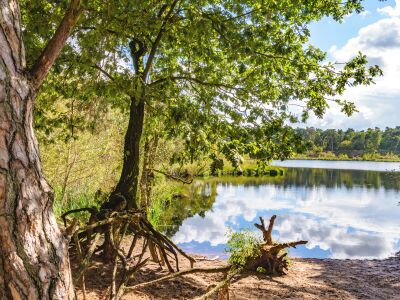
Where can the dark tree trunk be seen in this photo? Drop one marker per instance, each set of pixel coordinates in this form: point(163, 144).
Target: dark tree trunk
point(34, 261)
point(125, 193)
point(147, 178)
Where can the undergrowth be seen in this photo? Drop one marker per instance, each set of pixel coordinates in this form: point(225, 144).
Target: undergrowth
point(242, 246)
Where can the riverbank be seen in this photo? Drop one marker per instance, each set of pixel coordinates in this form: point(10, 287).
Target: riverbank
point(306, 279)
point(333, 157)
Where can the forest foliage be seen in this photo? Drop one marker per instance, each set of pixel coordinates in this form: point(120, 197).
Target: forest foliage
point(369, 144)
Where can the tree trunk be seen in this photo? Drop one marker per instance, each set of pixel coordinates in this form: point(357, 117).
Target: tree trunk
point(125, 193)
point(147, 178)
point(34, 261)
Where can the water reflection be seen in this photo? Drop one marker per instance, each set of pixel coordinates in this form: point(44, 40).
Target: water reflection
point(342, 165)
point(198, 199)
point(344, 214)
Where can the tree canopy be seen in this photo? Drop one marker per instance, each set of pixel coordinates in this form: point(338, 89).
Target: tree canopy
point(225, 76)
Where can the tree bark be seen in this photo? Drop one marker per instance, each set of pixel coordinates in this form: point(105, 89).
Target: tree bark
point(147, 177)
point(34, 262)
point(56, 43)
point(125, 193)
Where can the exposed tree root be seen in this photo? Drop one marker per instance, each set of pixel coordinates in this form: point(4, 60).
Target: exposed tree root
point(114, 226)
point(270, 259)
point(178, 274)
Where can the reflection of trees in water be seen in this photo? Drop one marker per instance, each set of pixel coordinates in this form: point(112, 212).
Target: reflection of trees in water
point(341, 178)
point(200, 196)
point(330, 178)
point(197, 199)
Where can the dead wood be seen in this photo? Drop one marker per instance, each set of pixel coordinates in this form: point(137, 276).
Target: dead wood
point(272, 258)
point(178, 274)
point(221, 285)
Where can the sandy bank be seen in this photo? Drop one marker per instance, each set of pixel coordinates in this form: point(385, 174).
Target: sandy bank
point(307, 279)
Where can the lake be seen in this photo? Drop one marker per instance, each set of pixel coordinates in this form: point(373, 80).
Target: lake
point(341, 165)
point(345, 211)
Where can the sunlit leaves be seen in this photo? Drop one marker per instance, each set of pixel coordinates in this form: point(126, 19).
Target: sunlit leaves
point(225, 76)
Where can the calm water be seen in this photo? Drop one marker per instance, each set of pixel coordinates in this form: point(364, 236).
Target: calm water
point(342, 165)
point(342, 213)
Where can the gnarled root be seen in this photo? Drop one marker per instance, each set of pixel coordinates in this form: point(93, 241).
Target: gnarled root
point(115, 226)
point(272, 257)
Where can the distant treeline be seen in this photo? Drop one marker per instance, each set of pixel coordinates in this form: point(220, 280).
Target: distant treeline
point(351, 142)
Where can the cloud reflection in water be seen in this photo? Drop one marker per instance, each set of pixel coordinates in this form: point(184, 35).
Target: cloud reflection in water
point(360, 220)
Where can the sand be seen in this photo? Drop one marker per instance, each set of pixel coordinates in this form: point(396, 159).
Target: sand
point(307, 279)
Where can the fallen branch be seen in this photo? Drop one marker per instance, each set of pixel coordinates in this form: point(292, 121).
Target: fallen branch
point(221, 284)
point(173, 176)
point(180, 273)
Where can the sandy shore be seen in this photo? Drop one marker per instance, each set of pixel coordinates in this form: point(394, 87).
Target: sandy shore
point(307, 279)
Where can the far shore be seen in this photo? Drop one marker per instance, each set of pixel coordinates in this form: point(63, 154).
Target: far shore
point(383, 159)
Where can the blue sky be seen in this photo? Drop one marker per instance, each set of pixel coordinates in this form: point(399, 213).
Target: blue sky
point(376, 33)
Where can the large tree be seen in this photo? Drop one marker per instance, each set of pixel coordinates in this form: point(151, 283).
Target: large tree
point(34, 261)
point(226, 73)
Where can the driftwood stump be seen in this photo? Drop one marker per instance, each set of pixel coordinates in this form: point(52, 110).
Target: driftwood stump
point(272, 256)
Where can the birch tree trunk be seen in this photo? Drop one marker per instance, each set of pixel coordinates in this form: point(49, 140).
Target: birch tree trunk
point(34, 262)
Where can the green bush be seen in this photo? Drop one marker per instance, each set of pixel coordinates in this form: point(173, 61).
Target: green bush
point(273, 173)
point(243, 246)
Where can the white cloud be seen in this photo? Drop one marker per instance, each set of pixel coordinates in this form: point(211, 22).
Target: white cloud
point(390, 10)
point(337, 239)
point(347, 17)
point(380, 41)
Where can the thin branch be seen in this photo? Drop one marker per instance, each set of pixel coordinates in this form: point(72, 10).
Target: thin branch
point(157, 40)
point(221, 284)
point(292, 60)
point(104, 72)
point(42, 66)
point(195, 80)
point(111, 31)
point(173, 177)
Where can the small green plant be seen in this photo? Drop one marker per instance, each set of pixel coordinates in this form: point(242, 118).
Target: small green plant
point(261, 270)
point(243, 246)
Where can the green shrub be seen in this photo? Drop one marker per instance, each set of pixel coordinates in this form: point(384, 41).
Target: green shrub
point(273, 173)
point(243, 246)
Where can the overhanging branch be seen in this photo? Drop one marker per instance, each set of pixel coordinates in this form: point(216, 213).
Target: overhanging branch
point(104, 72)
point(195, 80)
